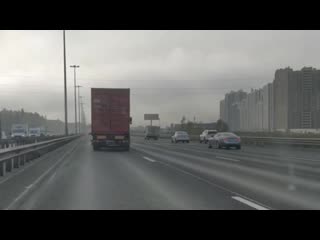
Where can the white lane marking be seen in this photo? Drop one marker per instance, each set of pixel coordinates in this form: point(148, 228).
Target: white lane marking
point(149, 159)
point(249, 203)
point(22, 168)
point(30, 186)
point(27, 189)
point(303, 159)
point(52, 177)
point(230, 159)
point(201, 178)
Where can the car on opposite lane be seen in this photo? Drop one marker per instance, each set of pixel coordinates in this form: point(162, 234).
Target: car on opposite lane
point(225, 140)
point(206, 134)
point(180, 136)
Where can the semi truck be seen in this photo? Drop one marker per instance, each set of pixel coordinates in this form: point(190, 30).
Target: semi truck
point(152, 132)
point(110, 118)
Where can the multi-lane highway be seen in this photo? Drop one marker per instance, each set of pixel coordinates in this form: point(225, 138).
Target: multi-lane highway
point(162, 175)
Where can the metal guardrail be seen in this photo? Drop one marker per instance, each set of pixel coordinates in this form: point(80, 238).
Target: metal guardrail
point(13, 142)
point(15, 157)
point(280, 140)
point(259, 141)
point(164, 136)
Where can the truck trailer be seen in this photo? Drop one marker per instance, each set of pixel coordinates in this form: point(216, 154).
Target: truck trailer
point(110, 118)
point(19, 130)
point(152, 132)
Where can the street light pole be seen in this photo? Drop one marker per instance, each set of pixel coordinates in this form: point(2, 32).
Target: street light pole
point(79, 105)
point(82, 117)
point(75, 99)
point(80, 111)
point(80, 101)
point(65, 85)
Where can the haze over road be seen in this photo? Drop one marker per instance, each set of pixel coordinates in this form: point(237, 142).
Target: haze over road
point(162, 175)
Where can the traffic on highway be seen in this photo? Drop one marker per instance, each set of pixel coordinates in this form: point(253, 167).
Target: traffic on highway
point(168, 120)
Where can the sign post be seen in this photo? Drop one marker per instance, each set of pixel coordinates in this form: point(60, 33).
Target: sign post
point(153, 116)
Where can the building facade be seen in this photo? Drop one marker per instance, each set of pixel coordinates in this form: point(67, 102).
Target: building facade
point(291, 101)
point(231, 109)
point(296, 99)
point(222, 110)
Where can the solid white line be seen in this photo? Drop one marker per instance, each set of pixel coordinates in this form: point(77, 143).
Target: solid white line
point(20, 170)
point(52, 177)
point(40, 178)
point(149, 159)
point(251, 204)
point(199, 178)
point(230, 159)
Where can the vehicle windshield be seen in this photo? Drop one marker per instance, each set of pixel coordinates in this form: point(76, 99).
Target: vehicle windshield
point(18, 131)
point(179, 119)
point(212, 132)
point(181, 133)
point(228, 135)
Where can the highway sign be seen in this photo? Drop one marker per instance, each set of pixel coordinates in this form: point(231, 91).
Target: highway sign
point(151, 116)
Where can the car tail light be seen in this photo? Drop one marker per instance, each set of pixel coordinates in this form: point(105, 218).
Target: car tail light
point(225, 139)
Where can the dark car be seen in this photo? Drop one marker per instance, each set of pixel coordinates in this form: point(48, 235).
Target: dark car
point(225, 140)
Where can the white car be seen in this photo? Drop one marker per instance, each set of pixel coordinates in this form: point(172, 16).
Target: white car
point(34, 132)
point(3, 136)
point(180, 136)
point(206, 134)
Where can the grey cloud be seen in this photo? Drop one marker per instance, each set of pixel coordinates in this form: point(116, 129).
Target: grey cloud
point(174, 73)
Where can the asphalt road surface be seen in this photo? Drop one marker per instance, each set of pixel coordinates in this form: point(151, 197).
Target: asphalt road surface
point(162, 175)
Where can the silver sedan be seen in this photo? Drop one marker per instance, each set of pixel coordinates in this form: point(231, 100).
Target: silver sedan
point(180, 136)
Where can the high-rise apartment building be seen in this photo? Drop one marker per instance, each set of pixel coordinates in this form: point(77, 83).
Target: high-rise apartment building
point(291, 101)
point(296, 98)
point(231, 111)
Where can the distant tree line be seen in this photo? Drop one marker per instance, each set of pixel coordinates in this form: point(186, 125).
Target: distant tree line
point(197, 128)
point(9, 117)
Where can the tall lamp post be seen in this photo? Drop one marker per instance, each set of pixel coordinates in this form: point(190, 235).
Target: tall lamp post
point(65, 85)
point(78, 86)
point(82, 116)
point(75, 98)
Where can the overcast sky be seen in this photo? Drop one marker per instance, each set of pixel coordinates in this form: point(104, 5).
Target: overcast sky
point(173, 73)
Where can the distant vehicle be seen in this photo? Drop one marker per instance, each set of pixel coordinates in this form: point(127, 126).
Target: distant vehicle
point(152, 132)
point(3, 135)
point(35, 132)
point(110, 117)
point(225, 140)
point(180, 136)
point(19, 130)
point(206, 134)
